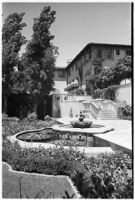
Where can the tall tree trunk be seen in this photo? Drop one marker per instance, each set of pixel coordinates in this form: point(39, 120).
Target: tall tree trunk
point(5, 104)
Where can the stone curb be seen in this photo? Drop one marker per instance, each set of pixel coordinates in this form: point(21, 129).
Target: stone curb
point(43, 175)
point(24, 144)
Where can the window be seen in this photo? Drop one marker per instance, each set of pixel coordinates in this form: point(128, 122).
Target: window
point(83, 60)
point(90, 54)
point(109, 54)
point(86, 57)
point(117, 52)
point(61, 73)
point(69, 72)
point(76, 66)
point(99, 53)
point(73, 68)
point(128, 52)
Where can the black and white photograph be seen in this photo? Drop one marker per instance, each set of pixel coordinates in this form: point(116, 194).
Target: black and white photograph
point(67, 100)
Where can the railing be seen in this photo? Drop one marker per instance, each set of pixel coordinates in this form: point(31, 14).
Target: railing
point(94, 109)
point(70, 97)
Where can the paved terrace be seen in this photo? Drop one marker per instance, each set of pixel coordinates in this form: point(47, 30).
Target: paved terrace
point(120, 137)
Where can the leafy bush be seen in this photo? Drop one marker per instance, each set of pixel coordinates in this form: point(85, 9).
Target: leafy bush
point(80, 92)
point(97, 93)
point(125, 111)
point(108, 177)
point(32, 116)
point(10, 127)
point(104, 176)
point(4, 116)
point(109, 93)
point(106, 93)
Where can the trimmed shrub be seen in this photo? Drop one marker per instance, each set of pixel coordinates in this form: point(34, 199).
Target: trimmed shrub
point(10, 127)
point(32, 116)
point(104, 176)
point(4, 116)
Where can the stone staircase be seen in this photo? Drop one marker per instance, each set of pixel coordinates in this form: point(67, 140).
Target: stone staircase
point(107, 115)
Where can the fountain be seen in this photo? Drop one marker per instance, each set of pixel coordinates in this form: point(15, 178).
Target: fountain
point(81, 127)
point(81, 123)
point(78, 133)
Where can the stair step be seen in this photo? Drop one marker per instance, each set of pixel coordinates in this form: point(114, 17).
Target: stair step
point(107, 115)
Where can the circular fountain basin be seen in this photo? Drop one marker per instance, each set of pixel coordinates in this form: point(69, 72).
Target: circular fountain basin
point(83, 136)
point(95, 129)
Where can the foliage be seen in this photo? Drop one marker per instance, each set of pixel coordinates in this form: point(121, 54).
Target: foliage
point(4, 116)
point(92, 81)
point(106, 93)
point(104, 176)
point(97, 93)
point(12, 40)
point(114, 75)
point(105, 78)
point(10, 127)
point(108, 177)
point(80, 92)
point(123, 69)
point(39, 59)
point(32, 116)
point(125, 111)
point(109, 93)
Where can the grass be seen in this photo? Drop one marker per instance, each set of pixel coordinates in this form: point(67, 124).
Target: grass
point(32, 185)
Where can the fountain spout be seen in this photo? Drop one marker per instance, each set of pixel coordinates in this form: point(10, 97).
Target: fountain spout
point(81, 117)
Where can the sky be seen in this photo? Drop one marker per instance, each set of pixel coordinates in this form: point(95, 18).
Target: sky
point(78, 24)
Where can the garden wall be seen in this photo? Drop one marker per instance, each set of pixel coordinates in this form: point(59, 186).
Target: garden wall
point(68, 105)
point(123, 93)
point(70, 108)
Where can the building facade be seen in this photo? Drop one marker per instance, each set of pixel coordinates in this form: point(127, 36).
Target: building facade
point(81, 67)
point(59, 80)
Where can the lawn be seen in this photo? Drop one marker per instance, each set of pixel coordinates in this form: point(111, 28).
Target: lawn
point(32, 185)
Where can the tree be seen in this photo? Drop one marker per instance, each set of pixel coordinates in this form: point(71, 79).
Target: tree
point(114, 75)
point(105, 78)
point(12, 41)
point(92, 82)
point(123, 69)
point(39, 60)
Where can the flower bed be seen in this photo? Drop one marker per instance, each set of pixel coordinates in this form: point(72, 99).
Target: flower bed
point(106, 176)
point(13, 127)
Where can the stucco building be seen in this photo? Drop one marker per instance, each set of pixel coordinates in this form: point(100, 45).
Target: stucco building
point(107, 54)
point(59, 80)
